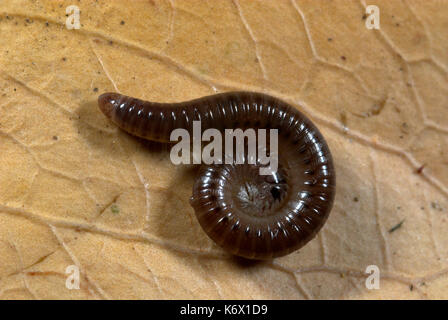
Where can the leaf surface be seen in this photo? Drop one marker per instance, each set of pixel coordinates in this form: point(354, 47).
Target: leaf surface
point(75, 190)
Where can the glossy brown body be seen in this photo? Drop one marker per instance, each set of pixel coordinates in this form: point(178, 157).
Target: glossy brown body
point(250, 215)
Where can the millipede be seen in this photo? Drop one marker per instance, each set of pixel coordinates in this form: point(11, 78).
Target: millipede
point(248, 214)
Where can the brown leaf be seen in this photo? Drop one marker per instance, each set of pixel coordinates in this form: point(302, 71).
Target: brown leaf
point(75, 190)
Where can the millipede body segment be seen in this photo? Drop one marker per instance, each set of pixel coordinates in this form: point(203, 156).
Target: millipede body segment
point(248, 214)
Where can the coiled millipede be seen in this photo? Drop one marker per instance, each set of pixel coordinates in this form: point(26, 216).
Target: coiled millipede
point(248, 214)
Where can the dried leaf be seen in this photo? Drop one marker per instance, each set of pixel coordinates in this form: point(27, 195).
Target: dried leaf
point(75, 190)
